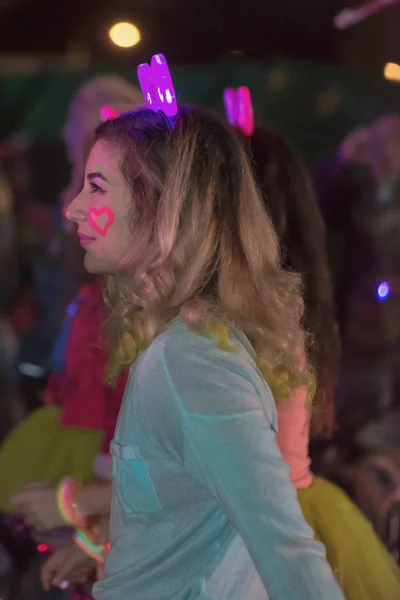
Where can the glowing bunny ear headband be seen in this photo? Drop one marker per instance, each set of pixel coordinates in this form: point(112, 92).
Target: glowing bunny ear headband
point(157, 87)
point(239, 109)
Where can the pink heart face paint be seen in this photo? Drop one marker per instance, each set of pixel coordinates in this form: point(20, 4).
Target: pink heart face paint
point(101, 219)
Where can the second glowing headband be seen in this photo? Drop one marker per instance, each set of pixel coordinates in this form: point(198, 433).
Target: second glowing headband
point(157, 87)
point(239, 109)
point(107, 112)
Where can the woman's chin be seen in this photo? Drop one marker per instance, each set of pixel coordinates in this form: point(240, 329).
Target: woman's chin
point(97, 266)
point(93, 265)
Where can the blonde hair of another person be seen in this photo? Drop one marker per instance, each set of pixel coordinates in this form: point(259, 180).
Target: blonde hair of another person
point(84, 115)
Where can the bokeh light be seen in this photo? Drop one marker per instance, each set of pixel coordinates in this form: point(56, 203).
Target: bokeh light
point(383, 291)
point(391, 72)
point(124, 35)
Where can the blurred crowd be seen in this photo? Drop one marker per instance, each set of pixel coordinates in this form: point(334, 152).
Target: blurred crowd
point(57, 418)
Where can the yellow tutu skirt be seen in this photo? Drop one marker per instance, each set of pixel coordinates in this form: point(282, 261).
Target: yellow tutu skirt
point(362, 564)
point(39, 449)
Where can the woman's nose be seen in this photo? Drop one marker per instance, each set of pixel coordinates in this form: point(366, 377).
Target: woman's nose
point(74, 214)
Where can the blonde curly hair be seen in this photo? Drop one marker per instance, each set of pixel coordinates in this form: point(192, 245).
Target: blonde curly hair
point(203, 246)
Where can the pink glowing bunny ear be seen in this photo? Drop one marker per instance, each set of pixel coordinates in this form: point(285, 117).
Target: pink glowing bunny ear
point(157, 87)
point(239, 109)
point(107, 112)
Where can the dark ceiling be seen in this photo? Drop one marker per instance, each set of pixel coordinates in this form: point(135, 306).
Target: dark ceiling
point(201, 30)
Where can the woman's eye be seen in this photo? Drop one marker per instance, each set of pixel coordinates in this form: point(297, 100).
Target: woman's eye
point(383, 478)
point(94, 188)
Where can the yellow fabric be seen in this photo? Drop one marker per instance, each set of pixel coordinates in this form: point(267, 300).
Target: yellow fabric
point(362, 564)
point(39, 449)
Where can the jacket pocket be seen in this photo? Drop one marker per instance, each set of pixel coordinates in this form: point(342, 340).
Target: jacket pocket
point(132, 480)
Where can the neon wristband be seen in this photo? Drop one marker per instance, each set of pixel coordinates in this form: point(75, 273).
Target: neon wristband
point(95, 551)
point(69, 511)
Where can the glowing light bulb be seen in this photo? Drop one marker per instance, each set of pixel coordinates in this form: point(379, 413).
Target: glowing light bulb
point(391, 72)
point(124, 35)
point(383, 291)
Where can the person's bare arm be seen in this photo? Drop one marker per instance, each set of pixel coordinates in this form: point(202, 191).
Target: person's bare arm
point(94, 499)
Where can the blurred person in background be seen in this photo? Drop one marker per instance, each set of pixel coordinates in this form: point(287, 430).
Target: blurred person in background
point(77, 422)
point(11, 401)
point(366, 463)
point(57, 271)
point(337, 522)
point(360, 197)
point(357, 192)
point(8, 276)
point(8, 246)
point(386, 148)
point(344, 190)
point(32, 221)
point(362, 186)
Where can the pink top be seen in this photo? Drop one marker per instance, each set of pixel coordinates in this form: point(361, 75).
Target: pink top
point(294, 436)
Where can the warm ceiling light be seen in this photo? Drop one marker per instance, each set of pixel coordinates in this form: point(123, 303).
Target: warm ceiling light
point(124, 35)
point(392, 72)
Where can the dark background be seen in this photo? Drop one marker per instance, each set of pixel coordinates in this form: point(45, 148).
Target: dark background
point(201, 30)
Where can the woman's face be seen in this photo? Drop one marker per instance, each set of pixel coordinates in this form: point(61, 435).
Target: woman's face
point(375, 480)
point(100, 211)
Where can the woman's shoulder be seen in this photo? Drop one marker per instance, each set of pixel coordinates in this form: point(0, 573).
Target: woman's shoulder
point(181, 344)
point(180, 359)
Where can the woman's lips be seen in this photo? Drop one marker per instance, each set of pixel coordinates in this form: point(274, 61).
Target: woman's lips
point(85, 239)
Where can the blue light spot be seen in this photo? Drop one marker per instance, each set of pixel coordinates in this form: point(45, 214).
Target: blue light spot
point(383, 291)
point(72, 309)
